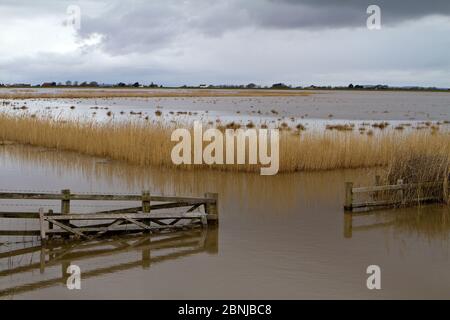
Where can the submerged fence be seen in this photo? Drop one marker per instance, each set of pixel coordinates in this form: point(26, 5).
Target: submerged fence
point(150, 216)
point(394, 195)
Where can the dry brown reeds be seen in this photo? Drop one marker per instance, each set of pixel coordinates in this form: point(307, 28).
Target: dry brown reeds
point(146, 143)
point(417, 167)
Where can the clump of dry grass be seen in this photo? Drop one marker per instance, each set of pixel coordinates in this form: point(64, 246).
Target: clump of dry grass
point(426, 162)
point(233, 125)
point(146, 143)
point(381, 125)
point(284, 126)
point(340, 127)
point(418, 167)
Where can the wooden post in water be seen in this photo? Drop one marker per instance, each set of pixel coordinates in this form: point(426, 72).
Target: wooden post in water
point(377, 183)
point(212, 209)
point(42, 225)
point(50, 225)
point(401, 194)
point(146, 201)
point(445, 188)
point(146, 205)
point(348, 206)
point(65, 203)
point(377, 180)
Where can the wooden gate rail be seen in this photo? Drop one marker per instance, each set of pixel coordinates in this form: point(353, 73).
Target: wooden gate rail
point(138, 218)
point(64, 195)
point(120, 220)
point(350, 204)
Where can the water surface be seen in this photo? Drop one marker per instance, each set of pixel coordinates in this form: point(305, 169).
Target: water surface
point(280, 237)
point(314, 110)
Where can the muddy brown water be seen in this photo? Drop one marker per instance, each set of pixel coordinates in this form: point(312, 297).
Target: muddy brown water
point(280, 237)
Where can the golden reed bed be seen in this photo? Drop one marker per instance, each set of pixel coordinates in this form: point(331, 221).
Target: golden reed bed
point(142, 93)
point(150, 144)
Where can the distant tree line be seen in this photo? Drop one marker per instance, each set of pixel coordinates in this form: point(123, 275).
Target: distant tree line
point(94, 84)
point(90, 84)
point(277, 86)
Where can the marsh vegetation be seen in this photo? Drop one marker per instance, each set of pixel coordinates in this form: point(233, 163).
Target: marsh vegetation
point(150, 144)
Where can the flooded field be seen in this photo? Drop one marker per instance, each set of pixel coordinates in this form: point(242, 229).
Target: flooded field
point(224, 150)
point(313, 109)
point(284, 236)
point(279, 237)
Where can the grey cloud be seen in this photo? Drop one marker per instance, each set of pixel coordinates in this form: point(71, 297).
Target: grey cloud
point(142, 26)
point(136, 28)
point(232, 41)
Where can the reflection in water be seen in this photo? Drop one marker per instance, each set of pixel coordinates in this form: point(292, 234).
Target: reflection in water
point(431, 221)
point(92, 256)
point(280, 236)
point(114, 176)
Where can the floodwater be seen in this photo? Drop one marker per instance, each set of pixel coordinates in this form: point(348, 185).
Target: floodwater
point(280, 237)
point(317, 109)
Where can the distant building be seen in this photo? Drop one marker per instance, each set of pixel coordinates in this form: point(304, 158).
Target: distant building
point(21, 85)
point(279, 86)
point(48, 84)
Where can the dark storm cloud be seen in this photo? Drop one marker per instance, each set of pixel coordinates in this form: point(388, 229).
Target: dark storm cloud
point(137, 26)
point(346, 13)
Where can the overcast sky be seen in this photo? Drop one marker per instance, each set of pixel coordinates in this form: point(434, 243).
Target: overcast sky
point(176, 42)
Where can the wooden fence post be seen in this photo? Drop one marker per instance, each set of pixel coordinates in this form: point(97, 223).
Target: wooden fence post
point(445, 188)
point(146, 201)
point(401, 193)
point(50, 224)
point(377, 180)
point(42, 225)
point(146, 206)
point(348, 206)
point(211, 209)
point(65, 202)
point(377, 183)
